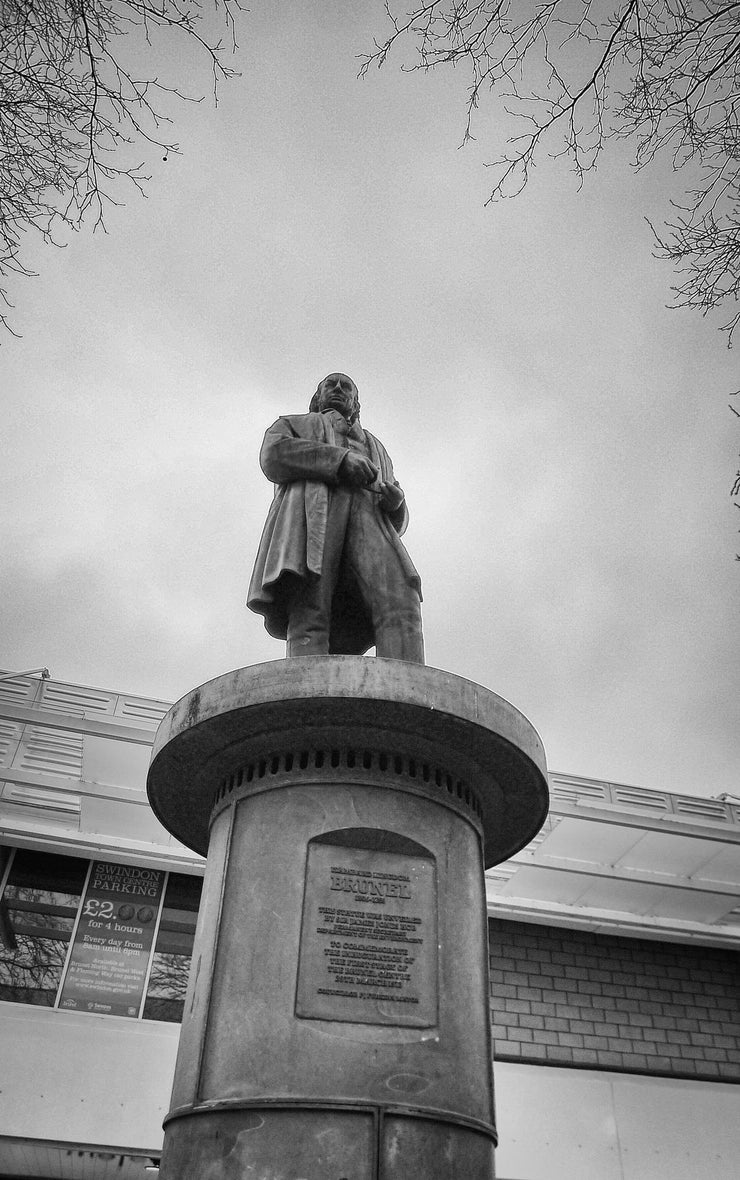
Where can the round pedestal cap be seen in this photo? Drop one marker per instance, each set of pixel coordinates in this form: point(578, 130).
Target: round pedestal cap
point(363, 702)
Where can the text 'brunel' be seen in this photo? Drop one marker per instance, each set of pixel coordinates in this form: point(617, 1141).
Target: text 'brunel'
point(369, 886)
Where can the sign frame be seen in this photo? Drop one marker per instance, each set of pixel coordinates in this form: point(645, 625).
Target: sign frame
point(368, 950)
point(112, 943)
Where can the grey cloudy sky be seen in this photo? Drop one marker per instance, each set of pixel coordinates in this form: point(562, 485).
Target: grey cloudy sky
point(563, 439)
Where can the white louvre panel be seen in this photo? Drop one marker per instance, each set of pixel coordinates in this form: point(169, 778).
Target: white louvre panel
point(10, 736)
point(648, 801)
point(44, 750)
point(42, 798)
point(140, 709)
point(21, 690)
point(573, 790)
point(688, 805)
point(79, 701)
point(569, 789)
point(72, 698)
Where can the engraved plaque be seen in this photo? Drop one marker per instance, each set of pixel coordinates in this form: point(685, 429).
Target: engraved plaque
point(368, 950)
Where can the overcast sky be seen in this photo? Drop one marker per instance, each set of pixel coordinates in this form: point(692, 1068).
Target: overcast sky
point(563, 439)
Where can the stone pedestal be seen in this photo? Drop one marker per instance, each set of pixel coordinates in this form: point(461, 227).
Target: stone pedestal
point(336, 1025)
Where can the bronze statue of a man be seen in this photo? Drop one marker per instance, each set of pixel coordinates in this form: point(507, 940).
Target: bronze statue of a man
point(332, 575)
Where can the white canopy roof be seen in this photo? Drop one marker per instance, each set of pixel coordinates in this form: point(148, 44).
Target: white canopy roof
point(624, 860)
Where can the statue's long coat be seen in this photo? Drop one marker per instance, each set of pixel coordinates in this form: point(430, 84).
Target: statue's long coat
point(300, 455)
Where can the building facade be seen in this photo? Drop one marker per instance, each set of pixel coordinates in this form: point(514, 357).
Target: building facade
point(614, 966)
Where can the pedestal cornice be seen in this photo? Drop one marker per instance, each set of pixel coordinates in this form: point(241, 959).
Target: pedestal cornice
point(455, 737)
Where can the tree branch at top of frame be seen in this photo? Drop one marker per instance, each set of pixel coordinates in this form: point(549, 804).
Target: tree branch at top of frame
point(82, 105)
point(663, 74)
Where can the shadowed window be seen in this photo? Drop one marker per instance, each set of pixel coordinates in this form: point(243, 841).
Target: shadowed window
point(38, 910)
point(37, 914)
point(168, 980)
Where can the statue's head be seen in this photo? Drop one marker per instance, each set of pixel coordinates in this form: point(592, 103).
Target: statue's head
point(337, 392)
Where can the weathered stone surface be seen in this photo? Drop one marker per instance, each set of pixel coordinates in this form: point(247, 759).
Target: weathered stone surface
point(418, 713)
point(336, 1025)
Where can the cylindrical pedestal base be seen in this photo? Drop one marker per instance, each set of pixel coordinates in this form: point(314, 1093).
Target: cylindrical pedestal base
point(337, 1025)
point(319, 1144)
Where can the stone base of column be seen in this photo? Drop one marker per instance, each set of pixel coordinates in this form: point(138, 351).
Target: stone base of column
point(337, 1025)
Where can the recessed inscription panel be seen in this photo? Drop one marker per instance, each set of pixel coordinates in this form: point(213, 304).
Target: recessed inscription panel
point(368, 949)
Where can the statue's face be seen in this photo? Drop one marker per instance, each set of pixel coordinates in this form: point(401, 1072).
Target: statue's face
point(338, 392)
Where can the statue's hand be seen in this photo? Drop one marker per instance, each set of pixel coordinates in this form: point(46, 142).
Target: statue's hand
point(357, 471)
point(392, 497)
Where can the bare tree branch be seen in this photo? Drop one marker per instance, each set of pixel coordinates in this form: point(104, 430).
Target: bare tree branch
point(76, 117)
point(663, 73)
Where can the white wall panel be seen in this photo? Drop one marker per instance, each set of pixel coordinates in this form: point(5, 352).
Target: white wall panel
point(106, 1080)
point(678, 1130)
point(76, 1078)
point(564, 1124)
point(127, 821)
point(555, 1124)
point(116, 763)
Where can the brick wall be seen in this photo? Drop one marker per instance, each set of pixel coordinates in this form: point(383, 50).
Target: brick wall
point(568, 997)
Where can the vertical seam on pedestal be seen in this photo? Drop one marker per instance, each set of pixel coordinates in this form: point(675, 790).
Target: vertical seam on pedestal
point(486, 982)
point(378, 1116)
point(206, 1027)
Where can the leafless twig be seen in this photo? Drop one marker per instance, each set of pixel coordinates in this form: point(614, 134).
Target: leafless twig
point(76, 117)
